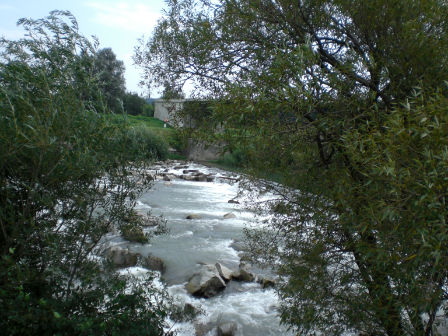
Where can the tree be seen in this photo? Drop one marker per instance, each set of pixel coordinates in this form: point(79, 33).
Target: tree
point(171, 92)
point(67, 177)
point(318, 90)
point(133, 104)
point(110, 72)
point(148, 109)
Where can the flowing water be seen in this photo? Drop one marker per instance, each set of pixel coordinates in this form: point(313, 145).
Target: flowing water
point(191, 243)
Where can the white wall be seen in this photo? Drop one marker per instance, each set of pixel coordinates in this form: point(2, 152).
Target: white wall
point(165, 110)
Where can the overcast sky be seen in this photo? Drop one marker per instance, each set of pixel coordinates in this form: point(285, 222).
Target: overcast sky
point(117, 24)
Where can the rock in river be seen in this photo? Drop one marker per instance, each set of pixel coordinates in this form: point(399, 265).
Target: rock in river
point(243, 274)
point(154, 264)
point(229, 215)
point(266, 282)
point(224, 272)
point(227, 329)
point(206, 283)
point(121, 257)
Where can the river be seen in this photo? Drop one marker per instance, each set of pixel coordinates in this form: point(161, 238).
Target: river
point(191, 243)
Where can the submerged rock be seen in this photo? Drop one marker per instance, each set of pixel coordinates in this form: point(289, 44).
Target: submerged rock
point(206, 283)
point(190, 310)
point(154, 264)
point(227, 329)
point(266, 282)
point(202, 329)
point(193, 216)
point(121, 257)
point(229, 215)
point(134, 234)
point(238, 245)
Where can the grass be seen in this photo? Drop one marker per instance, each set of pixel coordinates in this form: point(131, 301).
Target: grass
point(150, 122)
point(168, 133)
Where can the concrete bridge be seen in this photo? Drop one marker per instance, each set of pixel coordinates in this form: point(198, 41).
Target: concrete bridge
point(165, 109)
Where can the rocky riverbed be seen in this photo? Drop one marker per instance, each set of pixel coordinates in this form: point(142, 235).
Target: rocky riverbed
point(199, 259)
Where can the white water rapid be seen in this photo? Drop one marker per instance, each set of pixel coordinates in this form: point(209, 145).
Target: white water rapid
point(191, 243)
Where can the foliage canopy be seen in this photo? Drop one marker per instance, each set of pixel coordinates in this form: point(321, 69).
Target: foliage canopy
point(346, 100)
point(110, 76)
point(133, 104)
point(67, 177)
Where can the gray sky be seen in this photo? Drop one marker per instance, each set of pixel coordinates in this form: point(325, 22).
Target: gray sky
point(117, 24)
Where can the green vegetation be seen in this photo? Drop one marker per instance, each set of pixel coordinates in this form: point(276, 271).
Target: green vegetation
point(144, 140)
point(109, 77)
point(155, 129)
point(109, 73)
point(67, 177)
point(346, 100)
point(232, 159)
point(135, 105)
point(135, 120)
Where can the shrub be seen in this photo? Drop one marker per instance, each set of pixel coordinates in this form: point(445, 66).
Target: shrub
point(67, 177)
point(142, 140)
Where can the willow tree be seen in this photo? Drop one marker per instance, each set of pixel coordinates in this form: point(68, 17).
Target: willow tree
point(67, 177)
point(346, 100)
point(110, 72)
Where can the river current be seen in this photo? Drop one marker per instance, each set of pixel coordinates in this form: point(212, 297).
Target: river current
point(207, 240)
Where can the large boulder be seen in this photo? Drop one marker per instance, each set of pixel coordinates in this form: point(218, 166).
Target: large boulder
point(200, 178)
point(206, 283)
point(121, 257)
point(243, 273)
point(169, 177)
point(154, 264)
point(224, 272)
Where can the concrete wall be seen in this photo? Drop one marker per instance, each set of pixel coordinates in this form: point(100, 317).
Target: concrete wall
point(165, 110)
point(198, 151)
